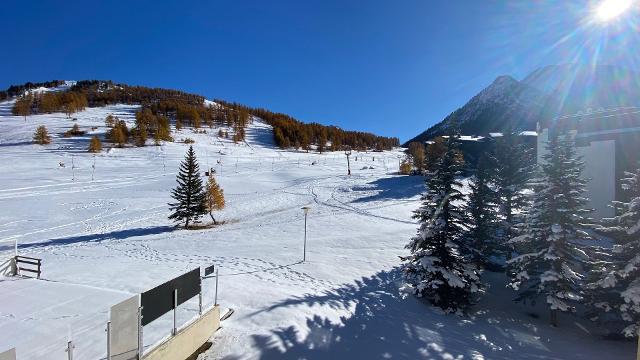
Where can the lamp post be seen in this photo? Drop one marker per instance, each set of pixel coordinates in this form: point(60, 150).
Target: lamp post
point(348, 153)
point(304, 251)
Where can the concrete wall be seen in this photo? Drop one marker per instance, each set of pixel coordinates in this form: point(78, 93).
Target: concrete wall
point(8, 355)
point(600, 168)
point(543, 137)
point(188, 339)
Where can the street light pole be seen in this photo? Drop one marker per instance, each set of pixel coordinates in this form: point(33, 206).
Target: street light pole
point(304, 249)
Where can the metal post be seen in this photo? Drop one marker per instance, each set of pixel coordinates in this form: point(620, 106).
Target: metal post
point(69, 350)
point(304, 255)
point(15, 250)
point(175, 306)
point(638, 355)
point(108, 340)
point(200, 303)
point(164, 165)
point(140, 339)
point(215, 299)
point(348, 153)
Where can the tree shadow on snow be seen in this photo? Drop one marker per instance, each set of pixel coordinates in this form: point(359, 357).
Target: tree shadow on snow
point(392, 188)
point(18, 143)
point(383, 325)
point(112, 235)
point(76, 144)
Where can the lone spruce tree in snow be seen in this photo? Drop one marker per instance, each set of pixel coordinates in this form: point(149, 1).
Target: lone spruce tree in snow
point(550, 261)
point(616, 293)
point(481, 211)
point(189, 195)
point(214, 197)
point(440, 267)
point(513, 164)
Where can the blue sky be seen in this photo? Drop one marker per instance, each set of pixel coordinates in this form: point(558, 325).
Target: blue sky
point(389, 67)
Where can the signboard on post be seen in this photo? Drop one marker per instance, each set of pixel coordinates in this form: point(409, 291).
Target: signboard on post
point(123, 342)
point(160, 300)
point(209, 270)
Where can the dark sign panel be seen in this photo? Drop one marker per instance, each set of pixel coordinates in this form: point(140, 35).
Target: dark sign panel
point(209, 270)
point(159, 300)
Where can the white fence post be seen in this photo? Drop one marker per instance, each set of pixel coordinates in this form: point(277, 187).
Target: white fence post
point(215, 300)
point(174, 331)
point(140, 341)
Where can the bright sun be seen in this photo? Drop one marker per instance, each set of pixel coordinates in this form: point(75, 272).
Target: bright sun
point(610, 9)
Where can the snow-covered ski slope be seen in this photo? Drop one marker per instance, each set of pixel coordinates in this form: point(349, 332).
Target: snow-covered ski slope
point(100, 225)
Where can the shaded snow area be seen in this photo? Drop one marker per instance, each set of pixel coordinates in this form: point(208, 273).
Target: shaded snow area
point(106, 238)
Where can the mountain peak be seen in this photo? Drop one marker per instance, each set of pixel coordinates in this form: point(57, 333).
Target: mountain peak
point(504, 79)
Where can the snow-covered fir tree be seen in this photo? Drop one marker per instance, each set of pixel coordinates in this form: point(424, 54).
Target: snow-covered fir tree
point(551, 259)
point(440, 267)
point(189, 194)
point(513, 164)
point(616, 292)
point(481, 211)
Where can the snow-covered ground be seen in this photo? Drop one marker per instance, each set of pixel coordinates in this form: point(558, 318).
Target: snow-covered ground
point(100, 225)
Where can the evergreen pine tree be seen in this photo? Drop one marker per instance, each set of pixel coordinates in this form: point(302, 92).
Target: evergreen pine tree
point(214, 197)
point(513, 165)
point(551, 262)
point(189, 195)
point(482, 211)
point(439, 268)
point(616, 293)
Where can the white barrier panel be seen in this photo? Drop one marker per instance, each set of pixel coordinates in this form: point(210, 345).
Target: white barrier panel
point(8, 267)
point(124, 329)
point(8, 355)
point(8, 252)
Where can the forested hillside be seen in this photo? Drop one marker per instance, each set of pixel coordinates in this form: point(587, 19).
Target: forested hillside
point(160, 107)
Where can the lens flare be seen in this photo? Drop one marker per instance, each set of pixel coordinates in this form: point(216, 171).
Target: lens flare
point(611, 9)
